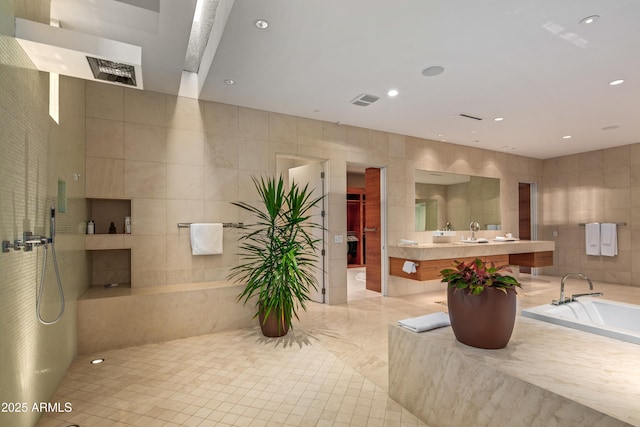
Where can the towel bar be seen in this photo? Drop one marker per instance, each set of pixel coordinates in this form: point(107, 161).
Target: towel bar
point(224, 224)
point(619, 224)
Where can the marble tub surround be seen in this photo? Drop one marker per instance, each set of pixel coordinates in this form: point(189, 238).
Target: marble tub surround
point(547, 374)
point(543, 377)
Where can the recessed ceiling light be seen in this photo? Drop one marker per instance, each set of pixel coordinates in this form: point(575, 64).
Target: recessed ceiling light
point(589, 19)
point(261, 24)
point(230, 82)
point(616, 82)
point(97, 361)
point(392, 92)
point(441, 134)
point(566, 137)
point(498, 119)
point(433, 71)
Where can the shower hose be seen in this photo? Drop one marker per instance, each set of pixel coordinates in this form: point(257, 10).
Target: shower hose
point(41, 289)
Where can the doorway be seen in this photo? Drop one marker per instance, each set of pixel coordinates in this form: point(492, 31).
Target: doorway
point(365, 232)
point(312, 173)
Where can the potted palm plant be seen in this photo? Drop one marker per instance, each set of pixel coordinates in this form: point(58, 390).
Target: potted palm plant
point(278, 253)
point(481, 302)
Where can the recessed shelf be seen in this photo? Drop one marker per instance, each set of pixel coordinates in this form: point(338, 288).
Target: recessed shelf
point(99, 242)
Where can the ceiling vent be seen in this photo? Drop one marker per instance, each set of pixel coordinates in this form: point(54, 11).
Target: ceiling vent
point(110, 71)
point(364, 99)
point(84, 56)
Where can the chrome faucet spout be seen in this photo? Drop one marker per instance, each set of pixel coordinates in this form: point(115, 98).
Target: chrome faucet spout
point(564, 300)
point(588, 294)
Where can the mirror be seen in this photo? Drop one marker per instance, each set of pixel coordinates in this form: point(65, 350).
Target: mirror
point(443, 198)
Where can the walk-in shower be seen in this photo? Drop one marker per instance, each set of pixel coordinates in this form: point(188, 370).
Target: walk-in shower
point(28, 242)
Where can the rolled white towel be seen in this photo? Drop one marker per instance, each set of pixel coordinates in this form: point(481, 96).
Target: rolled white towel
point(426, 322)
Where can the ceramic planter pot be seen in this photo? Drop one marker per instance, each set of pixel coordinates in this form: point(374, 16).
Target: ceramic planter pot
point(270, 328)
point(485, 320)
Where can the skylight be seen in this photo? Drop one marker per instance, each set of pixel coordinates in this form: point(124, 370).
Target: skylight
point(203, 18)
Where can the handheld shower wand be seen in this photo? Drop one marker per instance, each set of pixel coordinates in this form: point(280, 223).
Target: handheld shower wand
point(51, 239)
point(52, 225)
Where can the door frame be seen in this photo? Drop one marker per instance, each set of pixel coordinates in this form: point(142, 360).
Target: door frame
point(324, 166)
point(383, 230)
point(384, 258)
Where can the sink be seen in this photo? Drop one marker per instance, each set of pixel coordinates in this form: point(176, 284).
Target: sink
point(443, 233)
point(478, 240)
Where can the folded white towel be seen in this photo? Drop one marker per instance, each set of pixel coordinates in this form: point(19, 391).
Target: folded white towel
point(608, 239)
point(409, 267)
point(206, 238)
point(426, 322)
point(592, 238)
point(408, 242)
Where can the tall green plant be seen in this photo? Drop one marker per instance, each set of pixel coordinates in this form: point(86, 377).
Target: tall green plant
point(278, 252)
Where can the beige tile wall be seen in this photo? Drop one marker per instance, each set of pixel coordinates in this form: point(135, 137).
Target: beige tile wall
point(183, 160)
point(36, 152)
point(598, 186)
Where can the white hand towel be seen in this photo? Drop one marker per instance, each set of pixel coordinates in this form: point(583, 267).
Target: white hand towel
point(409, 267)
point(608, 239)
point(426, 322)
point(592, 238)
point(206, 238)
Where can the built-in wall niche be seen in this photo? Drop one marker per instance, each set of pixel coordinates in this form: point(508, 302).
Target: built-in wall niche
point(111, 267)
point(442, 198)
point(105, 211)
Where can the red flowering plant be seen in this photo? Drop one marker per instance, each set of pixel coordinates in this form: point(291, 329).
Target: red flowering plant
point(477, 275)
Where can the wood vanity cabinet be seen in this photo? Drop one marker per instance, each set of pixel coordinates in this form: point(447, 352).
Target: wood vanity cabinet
point(429, 270)
point(532, 259)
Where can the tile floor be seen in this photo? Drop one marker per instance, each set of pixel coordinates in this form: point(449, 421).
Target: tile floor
point(330, 370)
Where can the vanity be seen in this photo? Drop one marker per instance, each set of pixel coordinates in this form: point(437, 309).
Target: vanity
point(461, 219)
point(431, 258)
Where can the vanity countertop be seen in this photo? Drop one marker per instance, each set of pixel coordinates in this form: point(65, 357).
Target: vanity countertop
point(434, 251)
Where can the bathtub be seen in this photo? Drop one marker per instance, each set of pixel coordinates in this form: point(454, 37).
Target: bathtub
point(595, 315)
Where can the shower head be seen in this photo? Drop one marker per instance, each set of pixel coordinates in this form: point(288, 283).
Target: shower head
point(84, 56)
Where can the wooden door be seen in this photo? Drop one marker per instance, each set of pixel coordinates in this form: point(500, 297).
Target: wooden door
point(524, 216)
point(372, 231)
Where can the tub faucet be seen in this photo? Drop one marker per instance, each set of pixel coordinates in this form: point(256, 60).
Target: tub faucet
point(564, 300)
point(588, 294)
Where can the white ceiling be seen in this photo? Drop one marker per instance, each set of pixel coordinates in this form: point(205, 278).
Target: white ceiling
point(530, 62)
